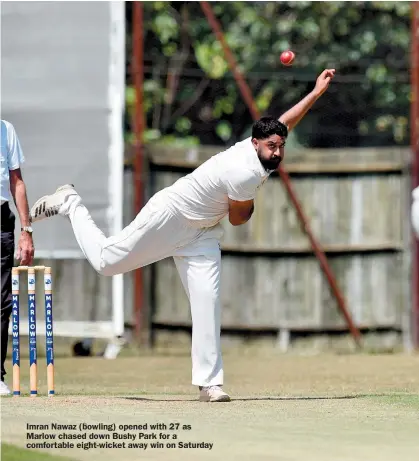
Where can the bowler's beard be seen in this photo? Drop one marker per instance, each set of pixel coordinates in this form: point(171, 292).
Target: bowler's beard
point(269, 164)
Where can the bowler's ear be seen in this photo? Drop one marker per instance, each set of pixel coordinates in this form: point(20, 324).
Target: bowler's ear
point(255, 143)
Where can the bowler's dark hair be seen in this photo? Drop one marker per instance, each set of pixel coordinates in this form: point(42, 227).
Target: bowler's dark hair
point(267, 126)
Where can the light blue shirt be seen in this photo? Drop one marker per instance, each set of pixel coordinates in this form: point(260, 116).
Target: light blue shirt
point(11, 157)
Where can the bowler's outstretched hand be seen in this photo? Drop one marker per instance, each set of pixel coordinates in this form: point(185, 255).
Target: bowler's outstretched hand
point(323, 80)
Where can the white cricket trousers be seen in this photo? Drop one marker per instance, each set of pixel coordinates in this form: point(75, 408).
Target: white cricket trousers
point(157, 233)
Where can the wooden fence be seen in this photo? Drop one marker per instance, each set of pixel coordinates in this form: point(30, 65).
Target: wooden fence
point(357, 201)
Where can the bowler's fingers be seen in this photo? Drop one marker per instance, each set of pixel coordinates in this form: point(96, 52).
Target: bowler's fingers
point(328, 73)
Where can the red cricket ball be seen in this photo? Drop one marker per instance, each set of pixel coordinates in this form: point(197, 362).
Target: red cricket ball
point(287, 58)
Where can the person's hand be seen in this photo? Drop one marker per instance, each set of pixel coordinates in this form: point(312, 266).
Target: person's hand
point(323, 81)
point(25, 249)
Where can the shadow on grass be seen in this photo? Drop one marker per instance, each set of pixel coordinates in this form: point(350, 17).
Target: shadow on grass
point(273, 398)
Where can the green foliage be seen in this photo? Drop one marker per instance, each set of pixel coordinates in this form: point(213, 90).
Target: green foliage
point(223, 130)
point(210, 57)
point(367, 43)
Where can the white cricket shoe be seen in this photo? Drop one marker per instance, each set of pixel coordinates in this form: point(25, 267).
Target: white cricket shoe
point(4, 390)
point(213, 394)
point(49, 205)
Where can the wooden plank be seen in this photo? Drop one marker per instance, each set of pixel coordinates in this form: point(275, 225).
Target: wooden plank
point(302, 161)
point(361, 156)
point(365, 281)
point(256, 291)
point(228, 303)
point(163, 287)
point(273, 328)
point(297, 169)
point(345, 168)
point(170, 294)
point(295, 156)
point(304, 250)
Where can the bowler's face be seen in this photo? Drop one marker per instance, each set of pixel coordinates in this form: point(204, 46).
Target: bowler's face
point(270, 151)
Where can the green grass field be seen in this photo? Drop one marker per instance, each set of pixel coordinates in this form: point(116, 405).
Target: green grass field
point(13, 453)
point(285, 407)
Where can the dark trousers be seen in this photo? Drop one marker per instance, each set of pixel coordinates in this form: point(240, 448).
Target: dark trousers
point(7, 255)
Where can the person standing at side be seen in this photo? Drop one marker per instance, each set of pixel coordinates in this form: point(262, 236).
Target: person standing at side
point(415, 211)
point(12, 185)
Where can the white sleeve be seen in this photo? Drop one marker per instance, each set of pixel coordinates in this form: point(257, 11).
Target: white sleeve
point(241, 184)
point(15, 155)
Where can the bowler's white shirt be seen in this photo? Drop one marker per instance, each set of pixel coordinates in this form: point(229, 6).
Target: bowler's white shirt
point(11, 157)
point(202, 196)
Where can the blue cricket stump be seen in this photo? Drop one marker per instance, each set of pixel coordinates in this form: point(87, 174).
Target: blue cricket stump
point(33, 372)
point(49, 335)
point(15, 331)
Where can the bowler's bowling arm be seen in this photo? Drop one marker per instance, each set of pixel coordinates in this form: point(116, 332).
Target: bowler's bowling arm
point(293, 116)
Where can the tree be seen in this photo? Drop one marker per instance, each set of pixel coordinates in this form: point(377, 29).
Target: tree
point(191, 97)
